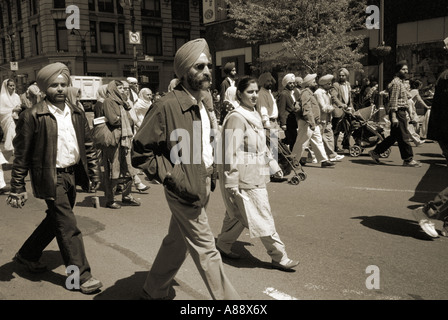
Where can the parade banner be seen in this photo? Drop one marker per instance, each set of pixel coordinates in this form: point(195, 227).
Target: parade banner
point(209, 10)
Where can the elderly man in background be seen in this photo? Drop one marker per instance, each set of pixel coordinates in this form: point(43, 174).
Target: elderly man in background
point(266, 103)
point(326, 109)
point(308, 124)
point(54, 145)
point(287, 110)
point(134, 90)
point(186, 177)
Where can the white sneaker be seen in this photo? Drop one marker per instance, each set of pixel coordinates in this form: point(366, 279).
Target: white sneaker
point(428, 227)
point(337, 158)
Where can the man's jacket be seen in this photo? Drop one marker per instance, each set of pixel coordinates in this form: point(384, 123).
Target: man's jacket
point(35, 148)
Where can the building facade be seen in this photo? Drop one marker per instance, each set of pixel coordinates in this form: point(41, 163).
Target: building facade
point(114, 38)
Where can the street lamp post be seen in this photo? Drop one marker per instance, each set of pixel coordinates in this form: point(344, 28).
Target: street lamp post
point(83, 47)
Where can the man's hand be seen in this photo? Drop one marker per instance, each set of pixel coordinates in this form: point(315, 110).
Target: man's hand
point(279, 174)
point(233, 190)
point(17, 200)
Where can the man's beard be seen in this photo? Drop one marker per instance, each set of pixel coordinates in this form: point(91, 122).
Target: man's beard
point(402, 76)
point(199, 82)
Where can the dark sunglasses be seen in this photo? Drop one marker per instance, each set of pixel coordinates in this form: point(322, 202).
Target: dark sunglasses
point(201, 66)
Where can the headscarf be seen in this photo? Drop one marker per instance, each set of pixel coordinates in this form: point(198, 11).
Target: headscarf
point(72, 95)
point(33, 94)
point(46, 76)
point(126, 128)
point(7, 101)
point(173, 84)
point(230, 96)
point(264, 77)
point(187, 55)
point(101, 94)
point(141, 97)
point(290, 77)
point(114, 94)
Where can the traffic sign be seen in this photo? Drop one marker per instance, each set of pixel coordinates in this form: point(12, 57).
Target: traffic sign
point(14, 65)
point(134, 37)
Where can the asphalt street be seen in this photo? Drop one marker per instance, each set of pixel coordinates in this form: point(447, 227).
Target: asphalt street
point(350, 227)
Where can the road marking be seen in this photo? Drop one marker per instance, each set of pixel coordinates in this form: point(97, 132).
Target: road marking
point(392, 190)
point(278, 295)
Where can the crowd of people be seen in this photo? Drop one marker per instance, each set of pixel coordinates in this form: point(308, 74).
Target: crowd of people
point(132, 136)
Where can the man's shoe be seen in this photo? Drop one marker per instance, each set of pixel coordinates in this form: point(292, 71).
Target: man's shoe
point(131, 202)
point(230, 255)
point(33, 267)
point(277, 179)
point(327, 164)
point(285, 267)
point(113, 205)
point(428, 227)
point(412, 163)
point(90, 286)
point(141, 187)
point(375, 156)
point(337, 158)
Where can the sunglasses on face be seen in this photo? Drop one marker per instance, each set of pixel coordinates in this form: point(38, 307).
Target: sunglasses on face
point(201, 66)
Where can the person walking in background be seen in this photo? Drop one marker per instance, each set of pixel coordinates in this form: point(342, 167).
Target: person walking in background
point(74, 96)
point(115, 157)
point(287, 110)
point(397, 110)
point(229, 81)
point(341, 94)
point(326, 110)
point(416, 85)
point(245, 169)
point(187, 182)
point(54, 145)
point(266, 103)
point(142, 105)
point(133, 87)
point(308, 125)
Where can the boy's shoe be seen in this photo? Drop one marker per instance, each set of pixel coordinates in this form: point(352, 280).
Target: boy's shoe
point(412, 163)
point(375, 156)
point(90, 286)
point(428, 227)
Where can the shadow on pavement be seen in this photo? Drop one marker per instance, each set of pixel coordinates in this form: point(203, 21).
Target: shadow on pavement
point(433, 181)
point(392, 225)
point(52, 259)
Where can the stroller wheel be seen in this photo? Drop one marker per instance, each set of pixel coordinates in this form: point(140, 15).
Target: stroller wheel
point(386, 153)
point(295, 180)
point(355, 151)
point(302, 176)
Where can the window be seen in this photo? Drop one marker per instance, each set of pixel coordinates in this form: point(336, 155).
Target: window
point(92, 5)
point(107, 37)
point(12, 50)
point(93, 38)
point(22, 45)
point(151, 8)
point(3, 50)
point(106, 5)
point(59, 4)
point(61, 36)
point(8, 10)
point(119, 7)
point(33, 6)
point(180, 37)
point(19, 10)
point(180, 10)
point(1, 18)
point(152, 41)
point(35, 40)
point(121, 39)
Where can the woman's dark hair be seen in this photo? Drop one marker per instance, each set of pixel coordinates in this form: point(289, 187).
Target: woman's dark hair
point(244, 83)
point(415, 84)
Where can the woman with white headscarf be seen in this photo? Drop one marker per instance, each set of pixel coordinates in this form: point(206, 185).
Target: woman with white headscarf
point(10, 105)
point(142, 105)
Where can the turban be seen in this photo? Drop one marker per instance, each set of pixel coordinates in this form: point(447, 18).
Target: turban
point(290, 77)
point(228, 67)
point(265, 77)
point(131, 80)
point(173, 84)
point(400, 65)
point(299, 79)
point(345, 71)
point(308, 79)
point(48, 74)
point(188, 54)
point(33, 89)
point(325, 79)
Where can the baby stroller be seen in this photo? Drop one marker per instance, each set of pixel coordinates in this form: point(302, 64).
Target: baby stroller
point(287, 161)
point(365, 134)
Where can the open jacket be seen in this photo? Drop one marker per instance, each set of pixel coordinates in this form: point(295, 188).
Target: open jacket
point(35, 150)
point(173, 124)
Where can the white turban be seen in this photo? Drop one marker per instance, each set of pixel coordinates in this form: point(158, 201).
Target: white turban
point(290, 77)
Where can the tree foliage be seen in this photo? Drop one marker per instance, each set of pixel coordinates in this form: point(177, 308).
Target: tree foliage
point(315, 35)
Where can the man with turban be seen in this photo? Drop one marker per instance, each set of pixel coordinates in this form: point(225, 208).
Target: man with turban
point(308, 125)
point(287, 110)
point(229, 81)
point(54, 145)
point(266, 103)
point(397, 110)
point(342, 100)
point(166, 149)
point(133, 85)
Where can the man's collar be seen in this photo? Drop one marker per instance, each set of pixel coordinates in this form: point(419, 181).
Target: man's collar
point(185, 98)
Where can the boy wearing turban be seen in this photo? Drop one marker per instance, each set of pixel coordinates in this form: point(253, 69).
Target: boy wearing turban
point(54, 145)
point(185, 169)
